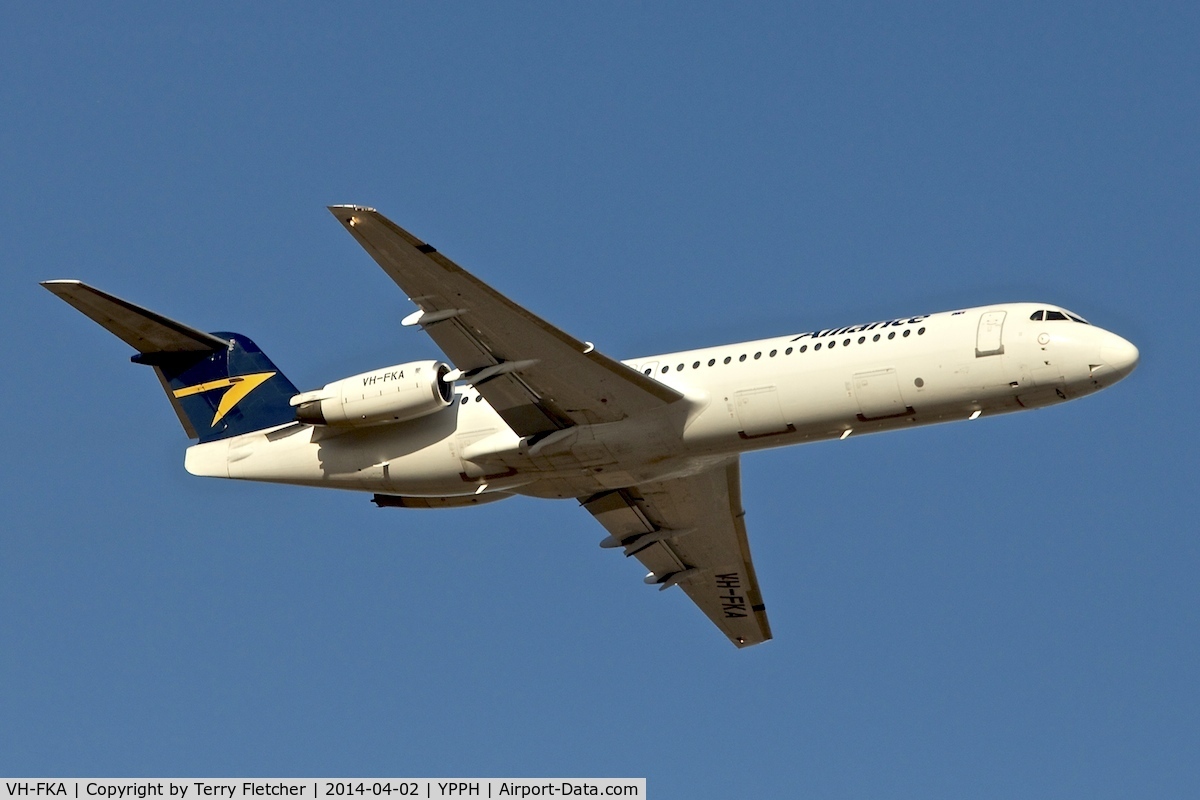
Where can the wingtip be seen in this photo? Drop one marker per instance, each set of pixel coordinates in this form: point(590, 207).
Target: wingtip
point(338, 209)
point(56, 283)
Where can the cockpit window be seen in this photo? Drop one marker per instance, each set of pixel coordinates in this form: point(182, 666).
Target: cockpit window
point(1046, 314)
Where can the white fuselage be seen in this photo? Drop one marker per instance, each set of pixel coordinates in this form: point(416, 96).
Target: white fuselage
point(752, 395)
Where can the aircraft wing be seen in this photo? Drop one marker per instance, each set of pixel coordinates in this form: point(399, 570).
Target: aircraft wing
point(691, 532)
point(537, 377)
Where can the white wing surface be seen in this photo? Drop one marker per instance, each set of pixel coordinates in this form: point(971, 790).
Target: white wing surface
point(691, 532)
point(537, 377)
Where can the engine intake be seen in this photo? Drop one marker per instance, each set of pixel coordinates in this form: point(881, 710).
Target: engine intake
point(392, 394)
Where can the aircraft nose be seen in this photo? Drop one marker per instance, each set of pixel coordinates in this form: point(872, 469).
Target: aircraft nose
point(1119, 354)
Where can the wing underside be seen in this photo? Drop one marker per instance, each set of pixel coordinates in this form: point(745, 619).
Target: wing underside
point(537, 377)
point(691, 532)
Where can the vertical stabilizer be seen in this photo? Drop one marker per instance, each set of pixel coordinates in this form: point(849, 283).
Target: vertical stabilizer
point(220, 384)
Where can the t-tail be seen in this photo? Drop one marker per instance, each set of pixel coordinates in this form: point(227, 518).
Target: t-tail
point(220, 384)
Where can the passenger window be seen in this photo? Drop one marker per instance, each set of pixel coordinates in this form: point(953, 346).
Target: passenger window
point(907, 331)
point(817, 346)
point(646, 371)
point(892, 335)
point(803, 348)
point(787, 352)
point(742, 357)
point(1037, 315)
point(728, 359)
point(666, 370)
point(920, 331)
point(875, 338)
point(1056, 315)
point(862, 339)
point(696, 365)
point(846, 343)
point(679, 368)
point(772, 353)
point(758, 355)
point(832, 344)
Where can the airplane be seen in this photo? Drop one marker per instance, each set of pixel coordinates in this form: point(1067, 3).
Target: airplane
point(650, 446)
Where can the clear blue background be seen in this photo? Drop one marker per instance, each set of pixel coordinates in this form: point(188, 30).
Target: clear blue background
point(1006, 608)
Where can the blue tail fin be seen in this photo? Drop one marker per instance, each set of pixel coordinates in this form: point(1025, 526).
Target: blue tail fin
point(220, 384)
point(224, 392)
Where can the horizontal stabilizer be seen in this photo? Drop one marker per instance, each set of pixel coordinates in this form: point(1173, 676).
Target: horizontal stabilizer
point(138, 327)
point(220, 384)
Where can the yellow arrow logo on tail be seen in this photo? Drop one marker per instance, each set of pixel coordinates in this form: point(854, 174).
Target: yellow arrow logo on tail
point(239, 386)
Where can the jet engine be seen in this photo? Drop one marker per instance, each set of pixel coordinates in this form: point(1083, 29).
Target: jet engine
point(392, 394)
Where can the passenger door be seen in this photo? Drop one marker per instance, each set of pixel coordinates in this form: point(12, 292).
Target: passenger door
point(988, 341)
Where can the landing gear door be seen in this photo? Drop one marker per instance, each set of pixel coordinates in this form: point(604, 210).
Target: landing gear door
point(988, 340)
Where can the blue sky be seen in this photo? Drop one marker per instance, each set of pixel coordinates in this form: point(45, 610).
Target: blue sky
point(996, 609)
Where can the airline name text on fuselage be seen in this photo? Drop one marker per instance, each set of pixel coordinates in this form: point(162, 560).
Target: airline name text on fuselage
point(860, 328)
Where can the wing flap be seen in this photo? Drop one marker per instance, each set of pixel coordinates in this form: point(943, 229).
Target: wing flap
point(691, 532)
point(547, 380)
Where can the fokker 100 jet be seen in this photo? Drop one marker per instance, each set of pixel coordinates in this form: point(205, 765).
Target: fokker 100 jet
point(649, 446)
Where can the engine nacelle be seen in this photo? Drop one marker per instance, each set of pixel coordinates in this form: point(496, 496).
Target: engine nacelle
point(393, 394)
